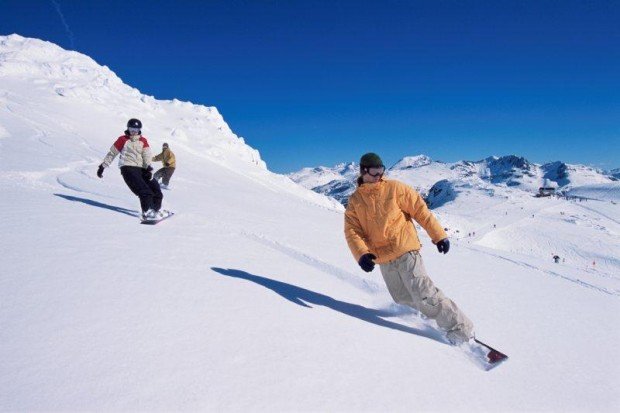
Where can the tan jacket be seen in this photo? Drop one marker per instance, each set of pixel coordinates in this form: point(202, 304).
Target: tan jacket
point(378, 220)
point(167, 157)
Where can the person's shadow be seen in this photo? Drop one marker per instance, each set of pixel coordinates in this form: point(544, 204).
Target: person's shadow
point(97, 204)
point(304, 297)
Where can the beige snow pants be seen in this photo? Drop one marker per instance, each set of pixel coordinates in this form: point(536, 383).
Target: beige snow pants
point(409, 284)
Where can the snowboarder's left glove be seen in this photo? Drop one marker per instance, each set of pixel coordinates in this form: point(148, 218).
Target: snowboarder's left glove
point(443, 245)
point(100, 171)
point(147, 174)
point(366, 262)
point(166, 164)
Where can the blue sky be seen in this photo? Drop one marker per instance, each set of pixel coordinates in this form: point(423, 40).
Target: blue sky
point(312, 83)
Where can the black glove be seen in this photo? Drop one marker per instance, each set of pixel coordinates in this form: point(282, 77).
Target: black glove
point(366, 262)
point(147, 174)
point(100, 171)
point(166, 164)
point(443, 245)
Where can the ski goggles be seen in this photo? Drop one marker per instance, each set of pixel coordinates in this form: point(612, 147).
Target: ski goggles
point(375, 170)
point(133, 131)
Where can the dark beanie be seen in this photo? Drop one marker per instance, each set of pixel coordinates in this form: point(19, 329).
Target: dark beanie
point(371, 160)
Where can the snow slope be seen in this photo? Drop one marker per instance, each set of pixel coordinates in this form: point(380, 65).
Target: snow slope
point(600, 192)
point(248, 299)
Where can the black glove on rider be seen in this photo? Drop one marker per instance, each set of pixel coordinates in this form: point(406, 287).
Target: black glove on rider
point(366, 262)
point(166, 164)
point(100, 171)
point(147, 174)
point(443, 245)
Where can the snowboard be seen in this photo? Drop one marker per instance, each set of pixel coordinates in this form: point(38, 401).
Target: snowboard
point(483, 355)
point(167, 215)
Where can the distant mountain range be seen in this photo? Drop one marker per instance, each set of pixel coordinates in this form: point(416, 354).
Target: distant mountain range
point(438, 181)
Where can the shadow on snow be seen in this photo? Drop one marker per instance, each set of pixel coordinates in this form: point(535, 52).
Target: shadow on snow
point(130, 212)
point(304, 297)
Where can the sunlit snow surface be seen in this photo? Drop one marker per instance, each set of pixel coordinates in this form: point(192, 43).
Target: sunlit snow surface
point(248, 298)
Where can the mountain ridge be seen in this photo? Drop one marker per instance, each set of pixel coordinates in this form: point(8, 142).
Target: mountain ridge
point(423, 172)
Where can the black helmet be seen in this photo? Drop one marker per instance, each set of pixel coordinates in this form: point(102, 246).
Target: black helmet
point(134, 123)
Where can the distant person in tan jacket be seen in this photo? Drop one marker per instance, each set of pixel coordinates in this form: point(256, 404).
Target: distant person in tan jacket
point(167, 157)
point(378, 229)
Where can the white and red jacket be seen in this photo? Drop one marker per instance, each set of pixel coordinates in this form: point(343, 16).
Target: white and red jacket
point(134, 150)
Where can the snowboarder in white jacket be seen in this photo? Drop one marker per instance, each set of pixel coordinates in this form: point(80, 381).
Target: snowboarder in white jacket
point(136, 169)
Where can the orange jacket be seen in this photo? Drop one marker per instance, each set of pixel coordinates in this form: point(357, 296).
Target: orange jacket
point(378, 220)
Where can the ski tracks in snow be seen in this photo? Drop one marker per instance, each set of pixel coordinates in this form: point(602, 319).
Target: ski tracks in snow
point(599, 213)
point(407, 315)
point(354, 280)
point(552, 273)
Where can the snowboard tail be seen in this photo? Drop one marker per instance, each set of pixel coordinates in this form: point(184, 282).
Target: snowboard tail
point(493, 356)
point(483, 355)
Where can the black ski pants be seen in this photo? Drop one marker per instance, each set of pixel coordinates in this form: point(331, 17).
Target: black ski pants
point(147, 190)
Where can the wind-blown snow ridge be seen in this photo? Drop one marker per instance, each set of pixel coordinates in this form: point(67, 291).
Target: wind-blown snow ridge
point(53, 70)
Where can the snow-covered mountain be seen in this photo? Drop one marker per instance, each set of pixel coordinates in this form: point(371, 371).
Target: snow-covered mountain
point(313, 177)
point(248, 299)
point(64, 101)
point(492, 173)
